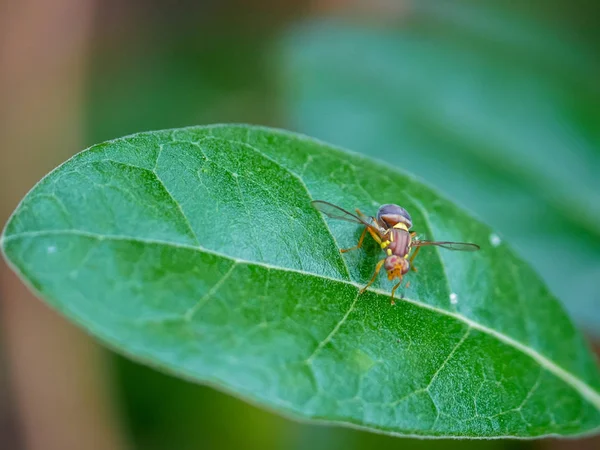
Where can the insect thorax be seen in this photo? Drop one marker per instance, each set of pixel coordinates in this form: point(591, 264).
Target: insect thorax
point(397, 243)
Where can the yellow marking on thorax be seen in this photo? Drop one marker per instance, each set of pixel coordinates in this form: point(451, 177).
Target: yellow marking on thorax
point(384, 244)
point(401, 226)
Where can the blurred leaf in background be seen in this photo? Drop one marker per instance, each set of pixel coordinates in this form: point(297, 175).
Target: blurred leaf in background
point(498, 108)
point(165, 72)
point(182, 67)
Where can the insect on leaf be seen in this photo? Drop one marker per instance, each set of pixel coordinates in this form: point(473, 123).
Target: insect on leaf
point(495, 107)
point(198, 251)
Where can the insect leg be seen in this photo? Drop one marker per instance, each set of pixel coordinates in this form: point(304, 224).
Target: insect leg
point(375, 235)
point(394, 291)
point(357, 246)
point(377, 269)
point(412, 258)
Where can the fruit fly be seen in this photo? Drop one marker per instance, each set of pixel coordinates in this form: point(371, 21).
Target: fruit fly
point(391, 230)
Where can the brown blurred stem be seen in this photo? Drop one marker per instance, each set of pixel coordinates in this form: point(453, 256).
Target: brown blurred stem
point(57, 376)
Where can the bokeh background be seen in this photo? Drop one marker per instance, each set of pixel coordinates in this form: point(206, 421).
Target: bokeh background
point(495, 103)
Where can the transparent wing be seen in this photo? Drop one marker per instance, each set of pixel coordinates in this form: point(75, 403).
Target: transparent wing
point(460, 246)
point(335, 212)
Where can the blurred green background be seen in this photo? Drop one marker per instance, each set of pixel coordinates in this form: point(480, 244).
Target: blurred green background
point(497, 106)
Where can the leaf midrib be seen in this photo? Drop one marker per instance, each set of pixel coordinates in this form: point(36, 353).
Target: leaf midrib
point(586, 391)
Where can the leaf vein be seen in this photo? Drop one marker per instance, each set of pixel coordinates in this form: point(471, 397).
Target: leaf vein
point(190, 313)
point(585, 390)
point(293, 175)
point(177, 204)
point(333, 332)
point(449, 357)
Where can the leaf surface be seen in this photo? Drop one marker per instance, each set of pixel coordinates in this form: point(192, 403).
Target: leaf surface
point(197, 251)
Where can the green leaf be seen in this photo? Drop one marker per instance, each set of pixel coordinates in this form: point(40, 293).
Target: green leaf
point(197, 251)
point(495, 109)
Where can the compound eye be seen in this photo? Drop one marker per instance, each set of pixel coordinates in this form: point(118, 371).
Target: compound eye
point(391, 262)
point(406, 267)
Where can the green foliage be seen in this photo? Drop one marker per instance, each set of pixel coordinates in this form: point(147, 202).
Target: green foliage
point(197, 251)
